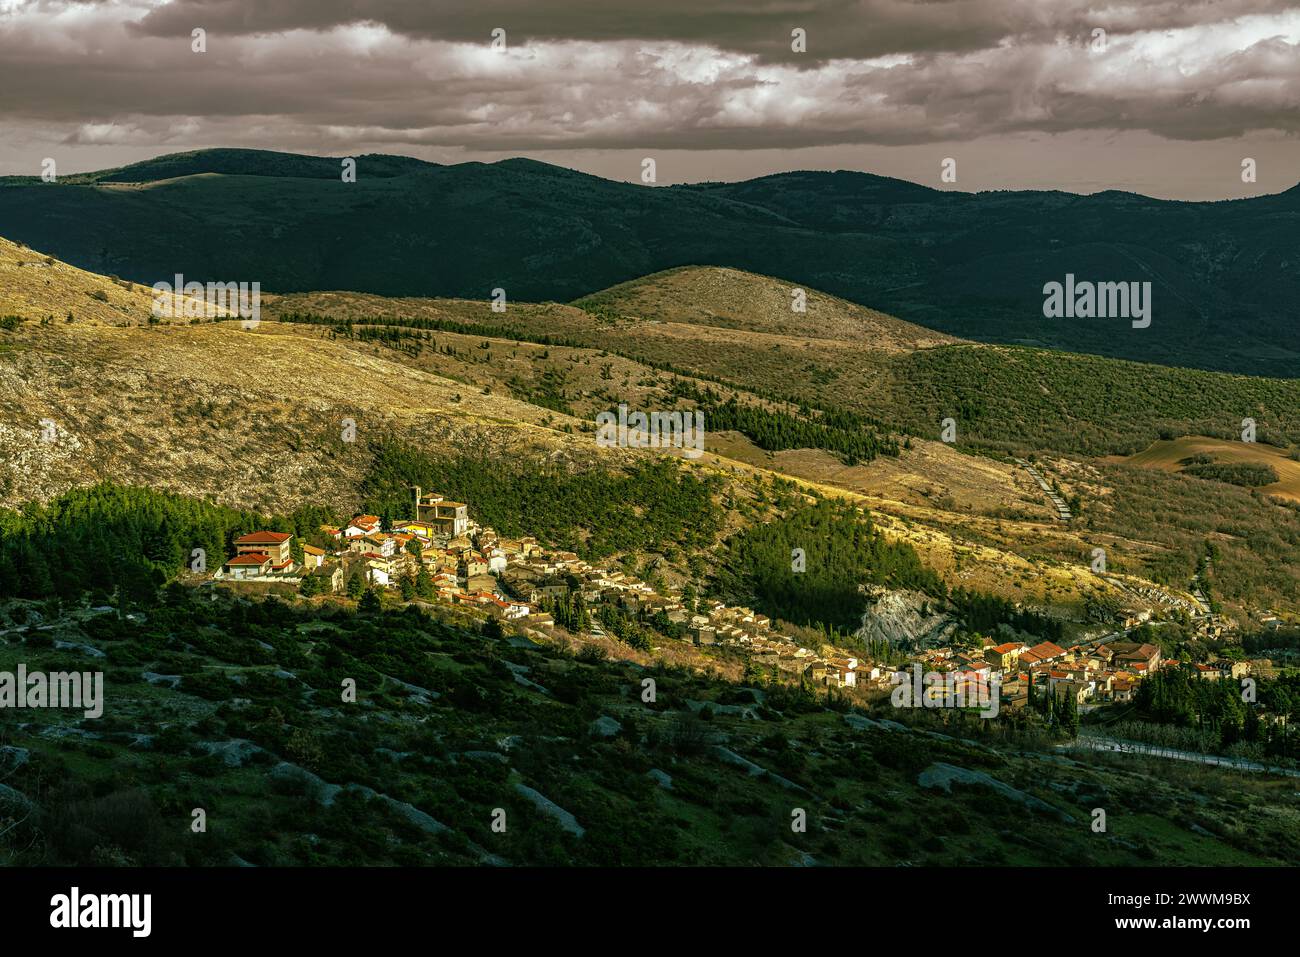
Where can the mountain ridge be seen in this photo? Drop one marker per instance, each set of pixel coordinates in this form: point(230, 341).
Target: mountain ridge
point(971, 265)
point(285, 163)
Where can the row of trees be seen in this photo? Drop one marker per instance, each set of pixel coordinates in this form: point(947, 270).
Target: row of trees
point(1247, 474)
point(569, 611)
point(1059, 711)
point(1177, 696)
point(1217, 710)
point(357, 327)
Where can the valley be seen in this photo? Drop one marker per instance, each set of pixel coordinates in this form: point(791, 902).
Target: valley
point(329, 408)
point(461, 461)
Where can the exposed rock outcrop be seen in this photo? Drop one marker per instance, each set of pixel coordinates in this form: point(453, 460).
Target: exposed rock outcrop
point(905, 619)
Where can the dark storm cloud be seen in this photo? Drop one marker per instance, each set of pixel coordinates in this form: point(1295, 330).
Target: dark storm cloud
point(835, 28)
point(324, 75)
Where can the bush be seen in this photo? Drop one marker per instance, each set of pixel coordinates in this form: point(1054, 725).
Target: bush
point(122, 827)
point(369, 604)
point(685, 735)
point(592, 654)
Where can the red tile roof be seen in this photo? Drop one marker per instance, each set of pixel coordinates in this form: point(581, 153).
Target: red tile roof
point(263, 538)
point(1046, 649)
point(250, 558)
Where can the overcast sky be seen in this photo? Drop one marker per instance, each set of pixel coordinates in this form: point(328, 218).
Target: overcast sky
point(1021, 93)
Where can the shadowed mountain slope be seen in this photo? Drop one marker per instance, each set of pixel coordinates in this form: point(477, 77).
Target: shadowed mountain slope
point(1224, 275)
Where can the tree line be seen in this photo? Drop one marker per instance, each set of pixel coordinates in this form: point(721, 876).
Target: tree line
point(852, 436)
point(355, 326)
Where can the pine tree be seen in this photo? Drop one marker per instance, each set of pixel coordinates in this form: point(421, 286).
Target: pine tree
point(1070, 714)
point(581, 618)
point(424, 583)
point(356, 585)
point(369, 603)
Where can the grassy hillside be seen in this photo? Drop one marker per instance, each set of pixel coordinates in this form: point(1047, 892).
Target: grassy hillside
point(731, 299)
point(36, 287)
point(1193, 452)
point(255, 418)
point(250, 416)
point(970, 265)
point(235, 709)
point(737, 328)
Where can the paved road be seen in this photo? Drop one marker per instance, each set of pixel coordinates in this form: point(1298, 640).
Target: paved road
point(1102, 743)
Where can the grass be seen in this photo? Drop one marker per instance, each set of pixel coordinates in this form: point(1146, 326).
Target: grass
point(864, 806)
point(1169, 456)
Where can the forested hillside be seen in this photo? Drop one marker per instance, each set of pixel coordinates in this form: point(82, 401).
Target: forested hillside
point(973, 265)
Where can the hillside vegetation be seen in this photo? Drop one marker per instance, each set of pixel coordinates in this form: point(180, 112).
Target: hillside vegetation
point(256, 418)
point(735, 329)
point(971, 265)
point(1016, 398)
point(235, 708)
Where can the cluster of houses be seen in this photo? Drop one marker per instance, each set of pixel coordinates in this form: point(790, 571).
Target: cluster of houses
point(743, 629)
point(513, 578)
point(462, 560)
point(466, 563)
point(261, 555)
point(1103, 673)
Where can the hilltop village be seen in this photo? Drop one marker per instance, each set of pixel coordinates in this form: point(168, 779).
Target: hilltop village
point(441, 555)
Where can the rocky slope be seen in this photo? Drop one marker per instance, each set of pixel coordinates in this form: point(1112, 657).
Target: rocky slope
point(906, 620)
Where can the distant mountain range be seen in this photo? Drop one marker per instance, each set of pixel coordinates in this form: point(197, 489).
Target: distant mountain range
point(1225, 276)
